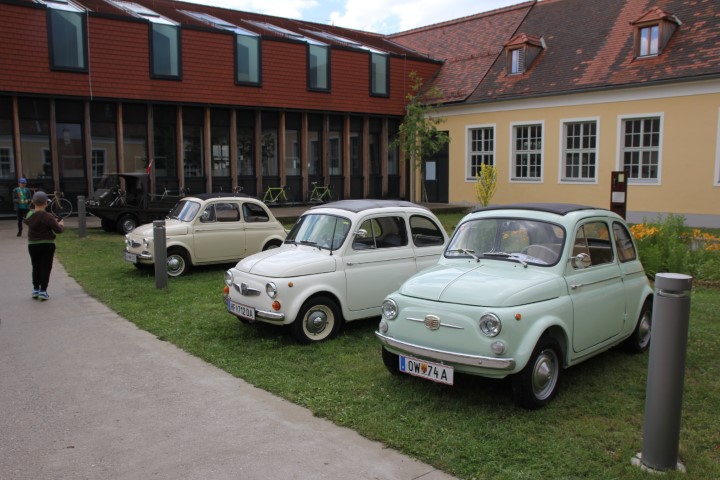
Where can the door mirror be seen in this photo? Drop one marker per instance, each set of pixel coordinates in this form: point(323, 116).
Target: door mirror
point(361, 233)
point(580, 261)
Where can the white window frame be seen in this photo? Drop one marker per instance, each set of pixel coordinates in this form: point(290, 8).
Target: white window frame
point(469, 151)
point(619, 164)
point(650, 46)
point(563, 150)
point(517, 60)
point(511, 174)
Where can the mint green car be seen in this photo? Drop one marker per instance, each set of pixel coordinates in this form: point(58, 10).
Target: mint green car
point(522, 291)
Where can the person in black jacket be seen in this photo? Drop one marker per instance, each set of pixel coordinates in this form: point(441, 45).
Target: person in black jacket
point(42, 227)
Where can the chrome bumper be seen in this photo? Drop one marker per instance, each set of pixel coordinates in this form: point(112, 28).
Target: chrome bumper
point(146, 257)
point(450, 357)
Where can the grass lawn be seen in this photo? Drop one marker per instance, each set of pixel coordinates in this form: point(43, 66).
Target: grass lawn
point(471, 430)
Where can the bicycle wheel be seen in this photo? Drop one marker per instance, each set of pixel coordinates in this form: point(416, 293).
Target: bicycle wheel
point(61, 207)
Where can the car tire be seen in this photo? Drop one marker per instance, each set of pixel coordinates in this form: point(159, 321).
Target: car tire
point(126, 224)
point(639, 340)
point(177, 263)
point(536, 384)
point(108, 225)
point(391, 361)
point(318, 320)
point(272, 244)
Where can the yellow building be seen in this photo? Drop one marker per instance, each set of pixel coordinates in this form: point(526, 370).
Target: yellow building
point(559, 94)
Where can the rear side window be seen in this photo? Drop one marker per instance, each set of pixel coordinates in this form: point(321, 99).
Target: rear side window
point(254, 213)
point(227, 212)
point(623, 243)
point(594, 239)
point(425, 232)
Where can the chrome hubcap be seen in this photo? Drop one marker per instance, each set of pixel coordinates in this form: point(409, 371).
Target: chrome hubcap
point(545, 374)
point(644, 330)
point(175, 265)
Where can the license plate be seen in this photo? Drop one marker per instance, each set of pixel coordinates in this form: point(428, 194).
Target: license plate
point(435, 372)
point(130, 257)
point(242, 310)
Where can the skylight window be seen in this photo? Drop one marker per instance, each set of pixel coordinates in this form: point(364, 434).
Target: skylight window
point(283, 32)
point(218, 23)
point(343, 40)
point(142, 12)
point(61, 5)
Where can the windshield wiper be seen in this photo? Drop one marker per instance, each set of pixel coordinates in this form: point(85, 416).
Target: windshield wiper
point(466, 252)
point(307, 242)
point(511, 256)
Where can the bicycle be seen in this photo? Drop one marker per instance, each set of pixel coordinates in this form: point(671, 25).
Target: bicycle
point(320, 194)
point(275, 195)
point(59, 206)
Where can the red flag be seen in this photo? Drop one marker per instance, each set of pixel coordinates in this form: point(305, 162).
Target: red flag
point(147, 170)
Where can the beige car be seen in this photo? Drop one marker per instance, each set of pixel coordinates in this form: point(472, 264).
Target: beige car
point(208, 229)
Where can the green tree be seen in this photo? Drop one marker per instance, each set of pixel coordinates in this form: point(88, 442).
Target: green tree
point(486, 184)
point(418, 136)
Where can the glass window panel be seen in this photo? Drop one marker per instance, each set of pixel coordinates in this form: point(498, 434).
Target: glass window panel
point(193, 144)
point(379, 74)
point(165, 50)
point(245, 141)
point(34, 125)
point(103, 137)
point(247, 59)
point(67, 39)
point(318, 67)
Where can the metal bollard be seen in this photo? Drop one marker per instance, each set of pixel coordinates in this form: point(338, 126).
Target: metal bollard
point(160, 242)
point(666, 373)
point(82, 217)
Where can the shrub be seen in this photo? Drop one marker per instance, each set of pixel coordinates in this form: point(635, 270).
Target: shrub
point(669, 246)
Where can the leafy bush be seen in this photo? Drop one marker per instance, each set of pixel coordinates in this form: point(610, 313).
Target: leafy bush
point(669, 246)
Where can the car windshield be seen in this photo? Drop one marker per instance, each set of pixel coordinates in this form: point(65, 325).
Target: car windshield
point(510, 239)
point(185, 210)
point(318, 230)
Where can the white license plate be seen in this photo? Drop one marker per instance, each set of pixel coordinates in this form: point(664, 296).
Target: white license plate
point(240, 309)
point(427, 370)
point(130, 257)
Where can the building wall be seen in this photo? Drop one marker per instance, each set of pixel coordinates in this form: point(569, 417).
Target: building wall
point(689, 182)
point(119, 68)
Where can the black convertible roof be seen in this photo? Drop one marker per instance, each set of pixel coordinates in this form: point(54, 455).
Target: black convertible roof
point(557, 208)
point(366, 204)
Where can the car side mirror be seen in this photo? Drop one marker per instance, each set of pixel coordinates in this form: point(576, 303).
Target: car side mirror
point(361, 233)
point(580, 261)
point(205, 217)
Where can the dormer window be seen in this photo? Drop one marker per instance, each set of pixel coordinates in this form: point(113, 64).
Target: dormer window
point(521, 52)
point(653, 31)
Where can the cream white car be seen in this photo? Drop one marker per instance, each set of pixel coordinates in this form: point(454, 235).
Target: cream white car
point(337, 264)
point(208, 229)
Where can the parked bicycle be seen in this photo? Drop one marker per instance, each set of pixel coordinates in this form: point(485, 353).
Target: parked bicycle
point(59, 206)
point(275, 195)
point(320, 193)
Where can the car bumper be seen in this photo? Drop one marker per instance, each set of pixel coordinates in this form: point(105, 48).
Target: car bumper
point(142, 257)
point(477, 361)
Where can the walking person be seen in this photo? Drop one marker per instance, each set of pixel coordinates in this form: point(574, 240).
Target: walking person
point(21, 201)
point(42, 227)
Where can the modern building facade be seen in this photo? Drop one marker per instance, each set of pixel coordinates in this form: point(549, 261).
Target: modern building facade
point(202, 98)
point(559, 94)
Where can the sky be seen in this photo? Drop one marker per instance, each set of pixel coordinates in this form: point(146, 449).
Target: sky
point(379, 16)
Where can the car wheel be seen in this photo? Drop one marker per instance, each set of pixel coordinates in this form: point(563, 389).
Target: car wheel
point(318, 320)
point(639, 341)
point(177, 263)
point(272, 244)
point(391, 361)
point(108, 225)
point(537, 383)
point(126, 224)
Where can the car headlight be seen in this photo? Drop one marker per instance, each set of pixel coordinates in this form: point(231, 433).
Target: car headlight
point(146, 242)
point(490, 325)
point(389, 309)
point(271, 290)
point(228, 278)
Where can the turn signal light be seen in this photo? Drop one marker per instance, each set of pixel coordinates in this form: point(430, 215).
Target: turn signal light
point(276, 305)
point(226, 289)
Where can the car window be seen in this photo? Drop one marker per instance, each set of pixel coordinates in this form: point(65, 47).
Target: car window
point(227, 212)
point(208, 215)
point(593, 239)
point(381, 232)
point(532, 241)
point(319, 230)
point(185, 210)
point(425, 232)
point(254, 213)
point(623, 243)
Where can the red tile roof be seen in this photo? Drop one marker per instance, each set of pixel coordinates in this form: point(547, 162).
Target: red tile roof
point(468, 46)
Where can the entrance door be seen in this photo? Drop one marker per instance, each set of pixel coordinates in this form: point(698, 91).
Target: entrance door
point(435, 177)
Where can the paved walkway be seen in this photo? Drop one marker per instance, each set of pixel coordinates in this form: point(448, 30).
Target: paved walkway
point(84, 394)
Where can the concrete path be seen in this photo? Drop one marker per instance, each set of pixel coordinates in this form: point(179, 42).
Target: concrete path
point(84, 394)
